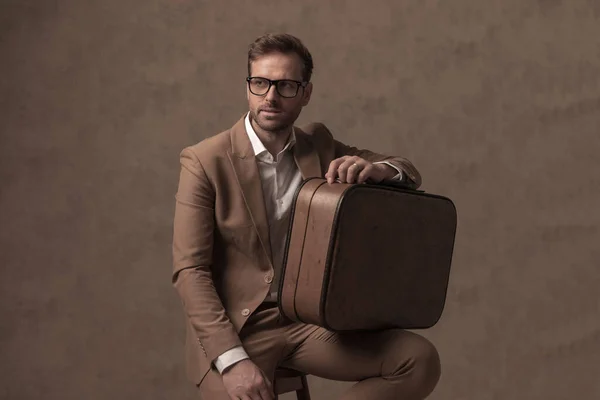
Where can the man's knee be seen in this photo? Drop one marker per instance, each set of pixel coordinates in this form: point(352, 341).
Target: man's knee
point(418, 360)
point(428, 362)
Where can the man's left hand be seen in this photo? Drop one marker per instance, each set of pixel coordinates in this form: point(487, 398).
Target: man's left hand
point(353, 169)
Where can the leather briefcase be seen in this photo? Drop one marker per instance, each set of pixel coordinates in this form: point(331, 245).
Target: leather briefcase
point(366, 256)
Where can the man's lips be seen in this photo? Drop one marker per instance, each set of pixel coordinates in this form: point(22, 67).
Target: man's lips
point(270, 111)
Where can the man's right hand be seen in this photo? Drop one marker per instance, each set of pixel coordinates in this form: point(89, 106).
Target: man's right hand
point(245, 381)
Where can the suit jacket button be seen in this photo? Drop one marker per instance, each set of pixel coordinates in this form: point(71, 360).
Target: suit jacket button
point(245, 312)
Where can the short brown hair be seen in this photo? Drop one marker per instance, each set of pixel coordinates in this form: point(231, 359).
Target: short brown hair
point(281, 43)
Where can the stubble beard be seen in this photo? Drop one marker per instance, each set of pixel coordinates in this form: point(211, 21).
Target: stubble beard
point(271, 126)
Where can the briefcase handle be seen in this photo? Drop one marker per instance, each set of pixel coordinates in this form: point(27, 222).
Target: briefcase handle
point(398, 184)
point(391, 183)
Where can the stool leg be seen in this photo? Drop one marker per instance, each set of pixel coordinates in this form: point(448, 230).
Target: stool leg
point(304, 393)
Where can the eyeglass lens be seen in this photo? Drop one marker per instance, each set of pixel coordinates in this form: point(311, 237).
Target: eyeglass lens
point(285, 88)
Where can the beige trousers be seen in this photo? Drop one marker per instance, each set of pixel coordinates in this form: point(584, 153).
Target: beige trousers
point(387, 365)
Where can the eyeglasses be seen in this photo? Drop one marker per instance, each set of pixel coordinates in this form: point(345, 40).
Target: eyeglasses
point(285, 87)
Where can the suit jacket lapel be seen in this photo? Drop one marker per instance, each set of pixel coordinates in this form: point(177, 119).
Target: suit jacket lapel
point(244, 164)
point(248, 177)
point(306, 156)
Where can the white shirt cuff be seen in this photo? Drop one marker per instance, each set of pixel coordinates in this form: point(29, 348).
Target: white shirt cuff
point(230, 357)
point(398, 176)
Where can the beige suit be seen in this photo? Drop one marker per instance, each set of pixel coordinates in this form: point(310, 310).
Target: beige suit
point(221, 253)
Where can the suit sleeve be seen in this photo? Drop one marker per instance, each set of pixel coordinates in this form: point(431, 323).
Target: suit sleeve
point(409, 172)
point(192, 258)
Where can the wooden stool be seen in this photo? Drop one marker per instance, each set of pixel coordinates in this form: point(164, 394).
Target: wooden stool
point(288, 380)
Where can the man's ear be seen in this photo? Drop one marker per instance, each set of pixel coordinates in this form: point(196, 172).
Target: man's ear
point(307, 93)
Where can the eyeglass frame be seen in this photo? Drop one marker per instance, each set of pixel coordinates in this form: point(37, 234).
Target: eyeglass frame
point(275, 82)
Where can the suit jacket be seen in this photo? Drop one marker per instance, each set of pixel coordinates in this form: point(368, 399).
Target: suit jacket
point(222, 267)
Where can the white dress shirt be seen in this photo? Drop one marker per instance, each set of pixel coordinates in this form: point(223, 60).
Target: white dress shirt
point(280, 177)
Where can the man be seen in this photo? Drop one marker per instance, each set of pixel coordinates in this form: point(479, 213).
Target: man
point(231, 218)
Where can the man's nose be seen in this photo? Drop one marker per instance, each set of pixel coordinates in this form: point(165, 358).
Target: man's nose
point(272, 94)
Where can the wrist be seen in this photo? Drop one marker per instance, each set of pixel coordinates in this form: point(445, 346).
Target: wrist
point(229, 358)
point(387, 172)
point(233, 365)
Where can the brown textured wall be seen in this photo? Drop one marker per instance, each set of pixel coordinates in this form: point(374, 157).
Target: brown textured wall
point(497, 103)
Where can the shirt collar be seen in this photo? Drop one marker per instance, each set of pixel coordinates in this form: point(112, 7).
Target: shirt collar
point(257, 145)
